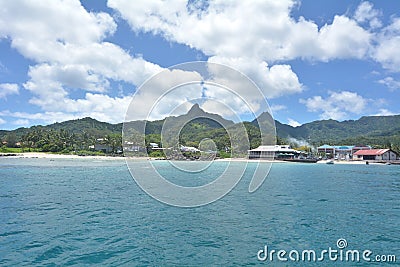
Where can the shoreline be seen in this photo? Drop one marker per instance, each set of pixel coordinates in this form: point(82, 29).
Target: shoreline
point(44, 155)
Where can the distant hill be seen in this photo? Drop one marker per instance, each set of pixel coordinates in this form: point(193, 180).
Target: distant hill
point(90, 126)
point(331, 131)
point(374, 130)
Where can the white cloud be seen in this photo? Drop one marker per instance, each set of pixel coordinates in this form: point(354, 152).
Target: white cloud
point(276, 108)
point(388, 43)
point(293, 123)
point(21, 122)
point(8, 89)
point(384, 112)
point(159, 96)
point(42, 30)
point(342, 39)
point(337, 105)
point(224, 29)
point(219, 108)
point(273, 81)
point(47, 117)
point(67, 43)
point(365, 13)
point(2, 121)
point(97, 106)
point(391, 83)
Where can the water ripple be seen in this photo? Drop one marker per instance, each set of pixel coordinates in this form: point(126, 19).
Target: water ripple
point(74, 213)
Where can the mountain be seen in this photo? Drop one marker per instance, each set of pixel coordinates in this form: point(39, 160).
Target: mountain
point(197, 124)
point(332, 131)
point(194, 120)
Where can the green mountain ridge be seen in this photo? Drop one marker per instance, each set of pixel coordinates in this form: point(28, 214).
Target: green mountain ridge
point(198, 124)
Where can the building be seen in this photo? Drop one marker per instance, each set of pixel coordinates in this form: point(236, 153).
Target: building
point(154, 146)
point(326, 149)
point(375, 154)
point(102, 147)
point(359, 147)
point(189, 149)
point(341, 152)
point(273, 152)
point(133, 147)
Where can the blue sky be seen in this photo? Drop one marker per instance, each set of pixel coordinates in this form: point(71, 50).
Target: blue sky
point(312, 59)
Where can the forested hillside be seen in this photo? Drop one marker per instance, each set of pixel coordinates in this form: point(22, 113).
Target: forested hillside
point(80, 134)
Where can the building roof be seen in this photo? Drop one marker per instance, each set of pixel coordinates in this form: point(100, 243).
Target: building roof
point(343, 147)
point(371, 152)
point(276, 148)
point(336, 147)
point(326, 146)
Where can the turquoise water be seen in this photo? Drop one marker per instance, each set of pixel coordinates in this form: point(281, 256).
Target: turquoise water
point(80, 212)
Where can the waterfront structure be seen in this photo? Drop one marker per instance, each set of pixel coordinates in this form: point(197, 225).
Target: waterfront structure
point(376, 154)
point(341, 152)
point(273, 152)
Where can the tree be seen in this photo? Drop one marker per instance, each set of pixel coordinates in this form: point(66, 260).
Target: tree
point(114, 141)
point(11, 139)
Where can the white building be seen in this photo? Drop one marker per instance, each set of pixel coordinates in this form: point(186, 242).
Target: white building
point(154, 145)
point(273, 152)
point(375, 154)
point(189, 149)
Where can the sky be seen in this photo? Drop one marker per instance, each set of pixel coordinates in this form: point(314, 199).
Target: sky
point(312, 60)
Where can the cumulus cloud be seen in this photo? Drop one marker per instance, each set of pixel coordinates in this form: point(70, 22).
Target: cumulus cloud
point(344, 38)
point(47, 117)
point(2, 121)
point(276, 108)
point(365, 13)
point(337, 105)
point(70, 51)
point(388, 42)
point(8, 89)
point(293, 123)
point(224, 29)
point(21, 122)
point(273, 81)
point(159, 96)
point(67, 43)
point(384, 112)
point(390, 83)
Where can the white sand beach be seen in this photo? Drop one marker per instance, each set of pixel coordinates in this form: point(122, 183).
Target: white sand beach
point(57, 156)
point(69, 156)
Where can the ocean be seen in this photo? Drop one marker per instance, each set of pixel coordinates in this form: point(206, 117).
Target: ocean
point(77, 212)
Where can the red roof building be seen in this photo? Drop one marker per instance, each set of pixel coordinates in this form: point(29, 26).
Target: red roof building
point(375, 154)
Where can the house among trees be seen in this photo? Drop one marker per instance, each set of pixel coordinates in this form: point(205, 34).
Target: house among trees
point(376, 154)
point(109, 144)
point(102, 146)
point(189, 149)
point(154, 146)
